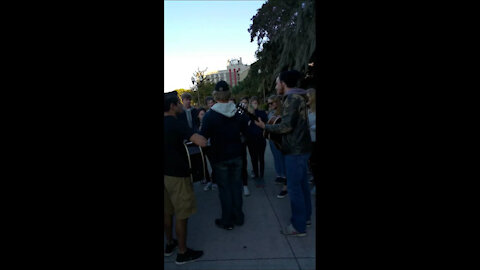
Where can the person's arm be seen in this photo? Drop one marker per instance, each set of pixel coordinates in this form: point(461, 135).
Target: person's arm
point(198, 140)
point(289, 117)
point(188, 134)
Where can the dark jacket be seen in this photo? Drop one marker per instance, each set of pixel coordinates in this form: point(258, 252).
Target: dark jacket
point(244, 119)
point(195, 122)
point(222, 125)
point(255, 133)
point(294, 124)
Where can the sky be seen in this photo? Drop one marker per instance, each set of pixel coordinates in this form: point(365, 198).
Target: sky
point(205, 34)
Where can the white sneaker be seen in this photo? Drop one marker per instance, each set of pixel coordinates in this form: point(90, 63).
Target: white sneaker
point(246, 192)
point(207, 186)
point(290, 230)
point(214, 187)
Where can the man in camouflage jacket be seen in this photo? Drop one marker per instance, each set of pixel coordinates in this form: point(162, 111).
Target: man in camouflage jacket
point(296, 147)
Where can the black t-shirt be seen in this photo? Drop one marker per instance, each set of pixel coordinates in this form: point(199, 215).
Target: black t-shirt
point(174, 153)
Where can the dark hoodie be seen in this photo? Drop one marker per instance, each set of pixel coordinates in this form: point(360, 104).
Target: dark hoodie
point(294, 125)
point(222, 125)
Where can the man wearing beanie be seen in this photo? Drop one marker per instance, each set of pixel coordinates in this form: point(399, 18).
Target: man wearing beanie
point(296, 147)
point(222, 125)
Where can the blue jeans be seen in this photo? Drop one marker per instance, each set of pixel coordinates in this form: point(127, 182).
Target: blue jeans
point(298, 190)
point(230, 187)
point(279, 160)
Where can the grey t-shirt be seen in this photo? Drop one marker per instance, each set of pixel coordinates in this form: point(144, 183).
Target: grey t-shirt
point(189, 117)
point(312, 124)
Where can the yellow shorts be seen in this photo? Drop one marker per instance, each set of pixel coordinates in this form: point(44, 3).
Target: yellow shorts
point(178, 196)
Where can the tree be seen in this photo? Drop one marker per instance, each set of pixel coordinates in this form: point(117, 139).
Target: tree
point(285, 33)
point(203, 86)
point(251, 85)
point(205, 89)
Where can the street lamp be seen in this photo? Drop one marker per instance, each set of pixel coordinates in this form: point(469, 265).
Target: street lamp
point(198, 92)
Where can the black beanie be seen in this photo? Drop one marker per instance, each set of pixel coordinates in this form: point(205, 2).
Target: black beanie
point(221, 86)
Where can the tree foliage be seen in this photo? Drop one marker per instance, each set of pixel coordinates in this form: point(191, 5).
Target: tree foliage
point(203, 88)
point(285, 33)
point(285, 28)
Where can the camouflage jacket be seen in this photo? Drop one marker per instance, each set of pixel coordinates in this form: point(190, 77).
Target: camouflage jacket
point(294, 125)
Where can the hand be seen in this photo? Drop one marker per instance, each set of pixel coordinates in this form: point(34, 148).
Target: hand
point(259, 123)
point(198, 140)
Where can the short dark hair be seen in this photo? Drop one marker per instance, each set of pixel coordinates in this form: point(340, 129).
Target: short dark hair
point(244, 98)
point(290, 77)
point(186, 96)
point(199, 110)
point(208, 98)
point(169, 98)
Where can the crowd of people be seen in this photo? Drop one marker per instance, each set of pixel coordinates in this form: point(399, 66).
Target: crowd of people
point(225, 133)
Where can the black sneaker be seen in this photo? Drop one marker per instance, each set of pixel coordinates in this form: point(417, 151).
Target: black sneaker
point(239, 222)
point(280, 181)
point(189, 256)
point(219, 224)
point(282, 194)
point(170, 248)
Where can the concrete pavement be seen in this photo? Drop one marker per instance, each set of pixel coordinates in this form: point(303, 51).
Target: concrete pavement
point(257, 244)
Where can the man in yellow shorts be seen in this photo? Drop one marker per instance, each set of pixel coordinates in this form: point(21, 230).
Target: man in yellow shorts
point(179, 198)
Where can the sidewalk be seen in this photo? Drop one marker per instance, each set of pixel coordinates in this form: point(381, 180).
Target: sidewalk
point(257, 244)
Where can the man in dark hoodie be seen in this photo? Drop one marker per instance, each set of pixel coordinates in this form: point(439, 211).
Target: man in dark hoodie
point(222, 125)
point(296, 147)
